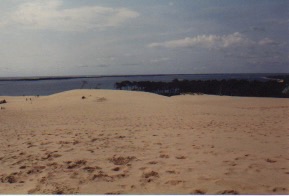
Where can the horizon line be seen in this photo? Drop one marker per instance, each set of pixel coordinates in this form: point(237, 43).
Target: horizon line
point(121, 75)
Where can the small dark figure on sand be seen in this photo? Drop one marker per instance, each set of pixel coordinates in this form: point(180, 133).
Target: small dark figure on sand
point(3, 101)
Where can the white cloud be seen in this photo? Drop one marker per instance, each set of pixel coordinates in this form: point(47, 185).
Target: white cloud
point(51, 15)
point(267, 41)
point(234, 46)
point(206, 41)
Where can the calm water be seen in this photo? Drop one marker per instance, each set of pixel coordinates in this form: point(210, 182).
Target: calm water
point(16, 87)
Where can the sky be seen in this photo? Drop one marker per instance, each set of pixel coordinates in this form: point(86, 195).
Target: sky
point(120, 37)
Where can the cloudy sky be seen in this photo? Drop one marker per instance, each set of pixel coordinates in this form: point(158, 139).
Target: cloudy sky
point(105, 37)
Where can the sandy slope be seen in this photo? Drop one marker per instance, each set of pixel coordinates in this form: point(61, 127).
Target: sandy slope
point(134, 142)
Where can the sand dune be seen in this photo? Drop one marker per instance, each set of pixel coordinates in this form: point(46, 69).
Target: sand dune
point(120, 142)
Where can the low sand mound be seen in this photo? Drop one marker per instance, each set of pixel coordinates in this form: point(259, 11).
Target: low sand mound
point(123, 142)
point(109, 94)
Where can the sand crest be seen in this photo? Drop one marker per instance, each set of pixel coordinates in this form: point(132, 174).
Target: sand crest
point(121, 142)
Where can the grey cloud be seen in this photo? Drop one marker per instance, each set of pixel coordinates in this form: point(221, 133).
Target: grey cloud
point(130, 64)
point(97, 65)
point(102, 65)
point(258, 29)
point(161, 59)
point(83, 66)
point(50, 15)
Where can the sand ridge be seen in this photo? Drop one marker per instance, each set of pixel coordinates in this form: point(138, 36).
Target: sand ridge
point(123, 142)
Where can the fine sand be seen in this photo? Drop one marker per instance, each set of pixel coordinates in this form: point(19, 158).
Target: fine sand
point(120, 142)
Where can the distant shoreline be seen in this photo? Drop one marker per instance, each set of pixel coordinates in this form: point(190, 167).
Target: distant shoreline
point(40, 78)
point(49, 85)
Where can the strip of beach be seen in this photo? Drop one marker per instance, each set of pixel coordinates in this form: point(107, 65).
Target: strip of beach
point(124, 142)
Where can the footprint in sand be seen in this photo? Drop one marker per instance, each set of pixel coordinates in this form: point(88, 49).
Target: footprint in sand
point(171, 172)
point(120, 160)
point(8, 179)
point(164, 156)
point(228, 192)
point(35, 170)
point(270, 160)
point(152, 162)
point(116, 169)
point(198, 192)
point(94, 139)
point(114, 193)
point(279, 189)
point(230, 163)
point(181, 157)
point(91, 169)
point(174, 182)
point(75, 164)
point(149, 176)
point(101, 176)
point(55, 189)
point(51, 155)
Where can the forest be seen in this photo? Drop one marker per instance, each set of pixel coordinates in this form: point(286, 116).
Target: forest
point(230, 87)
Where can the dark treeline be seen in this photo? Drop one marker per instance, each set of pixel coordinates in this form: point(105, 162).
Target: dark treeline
point(231, 87)
point(285, 78)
